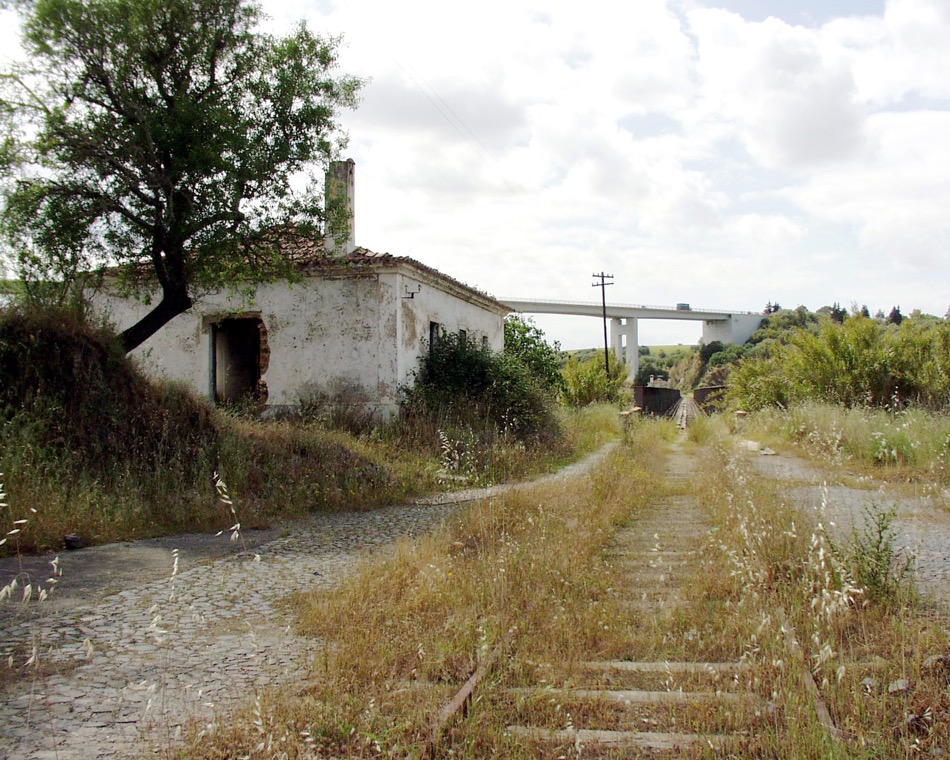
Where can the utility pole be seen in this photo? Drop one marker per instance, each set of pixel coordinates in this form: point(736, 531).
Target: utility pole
point(603, 302)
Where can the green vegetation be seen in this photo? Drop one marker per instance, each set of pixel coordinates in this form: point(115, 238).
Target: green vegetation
point(525, 342)
point(910, 445)
point(167, 139)
point(859, 362)
point(107, 454)
point(658, 362)
point(587, 382)
point(854, 614)
point(98, 450)
point(462, 380)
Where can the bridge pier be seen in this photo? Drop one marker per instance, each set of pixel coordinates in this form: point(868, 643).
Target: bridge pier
point(624, 339)
point(727, 326)
point(616, 337)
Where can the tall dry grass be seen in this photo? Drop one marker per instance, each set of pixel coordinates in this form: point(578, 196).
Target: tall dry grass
point(878, 659)
point(523, 572)
point(531, 575)
point(910, 444)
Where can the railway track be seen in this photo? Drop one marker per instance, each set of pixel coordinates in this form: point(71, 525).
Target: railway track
point(685, 411)
point(641, 706)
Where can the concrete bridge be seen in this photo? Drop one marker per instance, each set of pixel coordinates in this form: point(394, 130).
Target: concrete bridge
point(721, 325)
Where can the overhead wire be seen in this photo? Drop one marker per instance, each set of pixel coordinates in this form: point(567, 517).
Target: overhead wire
point(458, 124)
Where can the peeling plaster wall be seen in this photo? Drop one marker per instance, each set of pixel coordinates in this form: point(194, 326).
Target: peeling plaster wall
point(357, 329)
point(319, 331)
point(453, 311)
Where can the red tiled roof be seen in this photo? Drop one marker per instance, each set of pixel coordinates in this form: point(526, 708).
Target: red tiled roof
point(310, 256)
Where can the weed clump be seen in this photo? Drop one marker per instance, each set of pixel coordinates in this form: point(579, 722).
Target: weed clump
point(99, 451)
point(68, 392)
point(879, 566)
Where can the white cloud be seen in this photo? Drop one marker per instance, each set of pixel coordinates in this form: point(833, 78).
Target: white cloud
point(700, 154)
point(789, 98)
point(773, 233)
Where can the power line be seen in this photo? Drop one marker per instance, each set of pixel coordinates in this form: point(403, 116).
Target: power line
point(458, 124)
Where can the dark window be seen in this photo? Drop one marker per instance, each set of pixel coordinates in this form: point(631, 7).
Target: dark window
point(463, 334)
point(435, 332)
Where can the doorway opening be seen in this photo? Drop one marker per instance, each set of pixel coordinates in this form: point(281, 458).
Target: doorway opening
point(238, 360)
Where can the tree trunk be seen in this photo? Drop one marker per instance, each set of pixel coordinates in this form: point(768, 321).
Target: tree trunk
point(172, 304)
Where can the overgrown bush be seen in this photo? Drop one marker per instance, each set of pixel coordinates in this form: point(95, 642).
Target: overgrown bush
point(464, 381)
point(587, 382)
point(525, 342)
point(860, 362)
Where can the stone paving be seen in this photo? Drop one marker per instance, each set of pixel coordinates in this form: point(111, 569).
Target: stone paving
point(127, 671)
point(182, 646)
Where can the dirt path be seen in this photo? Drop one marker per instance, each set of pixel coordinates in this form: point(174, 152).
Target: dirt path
point(130, 652)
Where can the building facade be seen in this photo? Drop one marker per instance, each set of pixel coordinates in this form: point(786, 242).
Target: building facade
point(355, 323)
point(358, 323)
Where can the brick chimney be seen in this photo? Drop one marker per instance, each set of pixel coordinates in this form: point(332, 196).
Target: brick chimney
point(339, 203)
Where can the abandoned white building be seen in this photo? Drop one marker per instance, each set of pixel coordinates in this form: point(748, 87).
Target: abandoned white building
point(359, 321)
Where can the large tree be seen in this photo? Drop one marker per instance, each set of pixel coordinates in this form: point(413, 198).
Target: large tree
point(169, 140)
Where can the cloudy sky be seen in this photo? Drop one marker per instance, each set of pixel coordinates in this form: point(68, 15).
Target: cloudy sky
point(724, 153)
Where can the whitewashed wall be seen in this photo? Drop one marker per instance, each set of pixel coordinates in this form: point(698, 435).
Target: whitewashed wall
point(357, 327)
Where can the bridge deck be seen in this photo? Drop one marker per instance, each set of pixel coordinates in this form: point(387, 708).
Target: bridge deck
point(622, 311)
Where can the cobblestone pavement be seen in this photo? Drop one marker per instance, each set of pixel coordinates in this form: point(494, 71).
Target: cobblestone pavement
point(189, 644)
point(922, 524)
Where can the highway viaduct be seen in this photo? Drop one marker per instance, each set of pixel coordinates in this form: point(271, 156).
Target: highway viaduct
point(724, 326)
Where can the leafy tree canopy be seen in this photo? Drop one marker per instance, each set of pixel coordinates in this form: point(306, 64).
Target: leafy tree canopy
point(167, 139)
point(587, 382)
point(525, 341)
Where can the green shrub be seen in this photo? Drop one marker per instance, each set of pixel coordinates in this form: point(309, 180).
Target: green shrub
point(859, 362)
point(525, 342)
point(587, 382)
point(460, 379)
